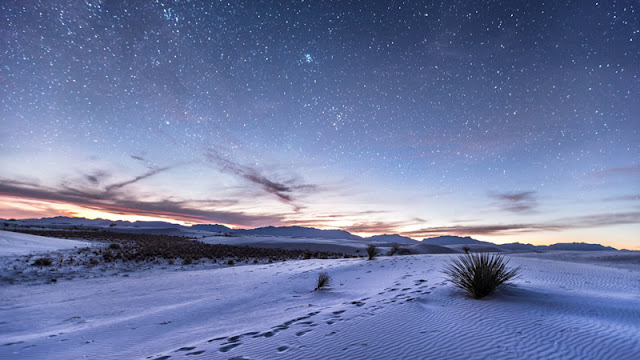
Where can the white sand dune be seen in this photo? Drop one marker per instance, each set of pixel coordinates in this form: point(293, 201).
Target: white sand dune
point(388, 308)
point(343, 246)
point(12, 243)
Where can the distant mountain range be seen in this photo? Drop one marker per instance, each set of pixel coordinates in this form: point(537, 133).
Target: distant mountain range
point(477, 245)
point(440, 244)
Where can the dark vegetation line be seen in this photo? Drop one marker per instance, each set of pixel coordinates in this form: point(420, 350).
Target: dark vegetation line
point(146, 247)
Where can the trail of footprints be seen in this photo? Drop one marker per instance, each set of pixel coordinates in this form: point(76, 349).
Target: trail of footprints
point(395, 294)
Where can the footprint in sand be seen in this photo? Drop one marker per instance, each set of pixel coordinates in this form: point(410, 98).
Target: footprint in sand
point(228, 347)
point(186, 348)
point(218, 339)
point(196, 352)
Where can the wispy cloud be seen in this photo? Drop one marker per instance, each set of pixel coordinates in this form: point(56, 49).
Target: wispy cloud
point(378, 227)
point(148, 174)
point(118, 201)
point(96, 177)
point(578, 222)
point(518, 202)
point(284, 191)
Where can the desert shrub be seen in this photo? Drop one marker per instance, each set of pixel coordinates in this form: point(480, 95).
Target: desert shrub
point(148, 247)
point(394, 249)
point(187, 260)
point(307, 254)
point(405, 251)
point(43, 261)
point(372, 251)
point(114, 246)
point(323, 281)
point(466, 249)
point(230, 262)
point(108, 256)
point(479, 274)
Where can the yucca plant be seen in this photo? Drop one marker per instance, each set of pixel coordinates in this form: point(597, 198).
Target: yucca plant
point(323, 281)
point(480, 274)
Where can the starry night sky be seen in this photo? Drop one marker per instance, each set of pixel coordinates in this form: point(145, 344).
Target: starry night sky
point(503, 120)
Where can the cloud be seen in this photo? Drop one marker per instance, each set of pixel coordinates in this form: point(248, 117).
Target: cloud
point(470, 230)
point(150, 173)
point(118, 202)
point(378, 227)
point(518, 202)
point(578, 222)
point(96, 178)
point(284, 191)
point(598, 220)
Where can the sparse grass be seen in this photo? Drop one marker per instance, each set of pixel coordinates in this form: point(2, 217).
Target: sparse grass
point(43, 261)
point(323, 281)
point(480, 274)
point(372, 251)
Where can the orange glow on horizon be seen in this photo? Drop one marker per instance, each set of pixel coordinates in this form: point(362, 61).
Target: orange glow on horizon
point(26, 208)
point(23, 208)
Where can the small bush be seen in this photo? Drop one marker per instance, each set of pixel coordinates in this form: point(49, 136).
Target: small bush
point(405, 251)
point(114, 246)
point(479, 274)
point(466, 249)
point(187, 260)
point(394, 249)
point(108, 256)
point(323, 281)
point(372, 251)
point(230, 262)
point(43, 261)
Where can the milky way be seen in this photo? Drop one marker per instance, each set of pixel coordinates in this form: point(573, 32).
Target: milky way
point(515, 120)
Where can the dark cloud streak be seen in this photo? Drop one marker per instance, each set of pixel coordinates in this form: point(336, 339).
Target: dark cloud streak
point(283, 191)
point(120, 185)
point(579, 222)
point(517, 202)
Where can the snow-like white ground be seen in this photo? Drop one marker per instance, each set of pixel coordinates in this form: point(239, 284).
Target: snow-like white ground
point(288, 242)
point(12, 243)
point(389, 308)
